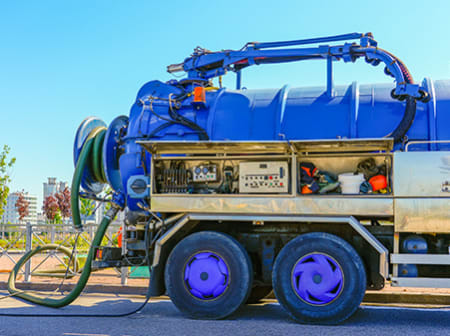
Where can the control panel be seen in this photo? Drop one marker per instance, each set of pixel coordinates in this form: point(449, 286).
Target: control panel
point(205, 173)
point(263, 177)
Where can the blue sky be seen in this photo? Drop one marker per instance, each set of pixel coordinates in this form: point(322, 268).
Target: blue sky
point(61, 61)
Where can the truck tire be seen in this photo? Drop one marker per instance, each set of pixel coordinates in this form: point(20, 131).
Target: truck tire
point(319, 278)
point(208, 275)
point(258, 293)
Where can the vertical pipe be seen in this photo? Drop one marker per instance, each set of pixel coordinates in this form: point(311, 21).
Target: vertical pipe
point(28, 241)
point(396, 250)
point(330, 89)
point(124, 270)
point(238, 80)
point(52, 234)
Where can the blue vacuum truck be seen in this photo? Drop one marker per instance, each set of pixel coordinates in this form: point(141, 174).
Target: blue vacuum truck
point(318, 193)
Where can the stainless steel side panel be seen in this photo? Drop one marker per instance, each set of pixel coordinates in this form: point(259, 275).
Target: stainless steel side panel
point(421, 174)
point(422, 192)
point(303, 205)
point(422, 215)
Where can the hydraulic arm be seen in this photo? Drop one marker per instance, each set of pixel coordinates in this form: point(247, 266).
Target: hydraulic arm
point(205, 64)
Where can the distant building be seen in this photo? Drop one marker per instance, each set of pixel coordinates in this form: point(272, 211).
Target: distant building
point(52, 187)
point(10, 214)
point(62, 186)
point(40, 218)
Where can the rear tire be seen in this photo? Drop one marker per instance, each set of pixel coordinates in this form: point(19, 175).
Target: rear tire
point(319, 278)
point(208, 275)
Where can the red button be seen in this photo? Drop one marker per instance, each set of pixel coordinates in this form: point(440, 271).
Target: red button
point(270, 177)
point(281, 184)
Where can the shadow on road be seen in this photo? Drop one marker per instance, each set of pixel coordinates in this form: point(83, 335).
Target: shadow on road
point(268, 318)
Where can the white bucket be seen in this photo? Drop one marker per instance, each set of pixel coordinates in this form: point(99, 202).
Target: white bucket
point(350, 182)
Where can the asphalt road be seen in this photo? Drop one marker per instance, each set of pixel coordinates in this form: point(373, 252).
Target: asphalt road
point(160, 317)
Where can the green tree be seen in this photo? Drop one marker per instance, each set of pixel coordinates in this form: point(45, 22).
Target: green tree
point(5, 164)
point(108, 192)
point(87, 208)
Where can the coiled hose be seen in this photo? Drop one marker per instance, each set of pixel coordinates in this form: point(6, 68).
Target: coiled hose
point(90, 154)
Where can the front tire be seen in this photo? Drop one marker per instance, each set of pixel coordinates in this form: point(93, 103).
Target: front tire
point(208, 275)
point(319, 279)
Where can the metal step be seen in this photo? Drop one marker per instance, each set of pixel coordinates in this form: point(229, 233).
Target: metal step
point(420, 259)
point(421, 282)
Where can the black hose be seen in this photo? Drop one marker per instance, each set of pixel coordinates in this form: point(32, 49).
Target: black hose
point(398, 134)
point(405, 124)
point(160, 128)
point(203, 135)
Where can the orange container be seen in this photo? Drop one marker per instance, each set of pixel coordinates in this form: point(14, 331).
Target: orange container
point(378, 182)
point(306, 190)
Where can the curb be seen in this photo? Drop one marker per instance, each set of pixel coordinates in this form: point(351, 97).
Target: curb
point(379, 297)
point(407, 298)
point(109, 289)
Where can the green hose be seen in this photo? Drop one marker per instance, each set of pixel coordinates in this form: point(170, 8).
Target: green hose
point(84, 159)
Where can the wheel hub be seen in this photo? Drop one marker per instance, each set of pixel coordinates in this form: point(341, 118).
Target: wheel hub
point(317, 279)
point(206, 276)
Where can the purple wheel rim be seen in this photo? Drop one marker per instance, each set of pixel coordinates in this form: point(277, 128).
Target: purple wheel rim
point(206, 276)
point(317, 279)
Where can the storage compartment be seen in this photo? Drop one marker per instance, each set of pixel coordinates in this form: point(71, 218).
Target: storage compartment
point(245, 174)
point(344, 174)
point(174, 164)
point(273, 168)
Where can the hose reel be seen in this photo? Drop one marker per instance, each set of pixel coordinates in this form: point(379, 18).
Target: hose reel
point(90, 173)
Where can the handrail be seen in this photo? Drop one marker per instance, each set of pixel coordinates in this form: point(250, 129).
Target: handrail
point(425, 142)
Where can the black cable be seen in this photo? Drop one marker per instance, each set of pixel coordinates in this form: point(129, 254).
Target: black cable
point(137, 310)
point(178, 119)
point(160, 128)
point(59, 289)
point(188, 123)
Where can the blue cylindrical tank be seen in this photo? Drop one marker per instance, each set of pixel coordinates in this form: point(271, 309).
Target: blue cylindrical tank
point(353, 111)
